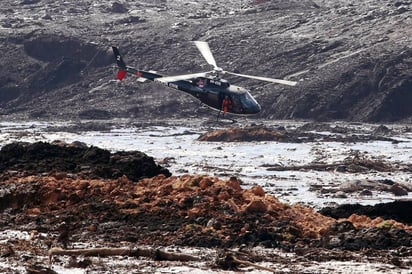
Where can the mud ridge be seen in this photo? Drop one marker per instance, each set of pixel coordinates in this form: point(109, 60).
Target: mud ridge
point(76, 158)
point(397, 210)
point(260, 133)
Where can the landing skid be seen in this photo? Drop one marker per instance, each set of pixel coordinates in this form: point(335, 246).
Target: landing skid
point(221, 122)
point(227, 121)
point(224, 118)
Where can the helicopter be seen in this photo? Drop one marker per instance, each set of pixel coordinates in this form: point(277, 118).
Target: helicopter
point(208, 87)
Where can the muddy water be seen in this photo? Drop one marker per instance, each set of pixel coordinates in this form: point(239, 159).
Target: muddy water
point(68, 208)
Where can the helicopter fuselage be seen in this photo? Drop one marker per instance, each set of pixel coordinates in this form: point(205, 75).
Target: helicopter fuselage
point(210, 91)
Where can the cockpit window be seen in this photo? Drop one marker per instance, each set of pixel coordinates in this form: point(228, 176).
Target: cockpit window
point(247, 99)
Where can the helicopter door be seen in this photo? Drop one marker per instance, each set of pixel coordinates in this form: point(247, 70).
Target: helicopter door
point(213, 99)
point(236, 104)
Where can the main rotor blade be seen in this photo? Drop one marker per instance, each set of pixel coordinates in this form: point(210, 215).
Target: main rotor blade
point(167, 79)
point(272, 80)
point(204, 49)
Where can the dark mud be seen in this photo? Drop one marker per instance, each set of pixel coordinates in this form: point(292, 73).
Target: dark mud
point(398, 210)
point(77, 159)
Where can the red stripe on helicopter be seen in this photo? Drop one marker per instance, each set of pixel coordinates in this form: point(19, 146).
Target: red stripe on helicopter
point(139, 74)
point(121, 74)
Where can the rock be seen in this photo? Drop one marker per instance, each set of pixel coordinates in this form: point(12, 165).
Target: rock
point(92, 228)
point(223, 195)
point(256, 206)
point(397, 210)
point(340, 195)
point(95, 114)
point(339, 227)
point(118, 8)
point(131, 19)
point(29, 2)
point(212, 222)
point(60, 175)
point(382, 130)
point(205, 183)
point(365, 192)
point(234, 183)
point(334, 242)
point(47, 17)
point(398, 190)
point(37, 268)
point(34, 211)
point(7, 252)
point(386, 182)
point(402, 9)
point(258, 191)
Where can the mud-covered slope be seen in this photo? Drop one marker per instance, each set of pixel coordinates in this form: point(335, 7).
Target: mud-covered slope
point(352, 60)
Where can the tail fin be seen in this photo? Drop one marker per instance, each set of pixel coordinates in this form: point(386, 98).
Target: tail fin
point(120, 63)
point(119, 60)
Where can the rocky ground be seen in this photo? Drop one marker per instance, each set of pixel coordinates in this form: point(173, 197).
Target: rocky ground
point(352, 59)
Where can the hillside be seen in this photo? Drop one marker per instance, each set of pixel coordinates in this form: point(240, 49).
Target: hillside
point(353, 60)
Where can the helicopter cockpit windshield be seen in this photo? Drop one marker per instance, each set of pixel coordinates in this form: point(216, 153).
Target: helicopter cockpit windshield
point(249, 103)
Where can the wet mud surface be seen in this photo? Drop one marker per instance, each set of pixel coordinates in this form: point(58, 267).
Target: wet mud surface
point(60, 205)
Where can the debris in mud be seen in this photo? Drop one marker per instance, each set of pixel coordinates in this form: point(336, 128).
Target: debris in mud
point(247, 134)
point(397, 210)
point(354, 163)
point(156, 254)
point(187, 210)
point(359, 232)
point(366, 186)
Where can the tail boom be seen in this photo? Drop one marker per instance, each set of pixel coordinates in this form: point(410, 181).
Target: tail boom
point(124, 69)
